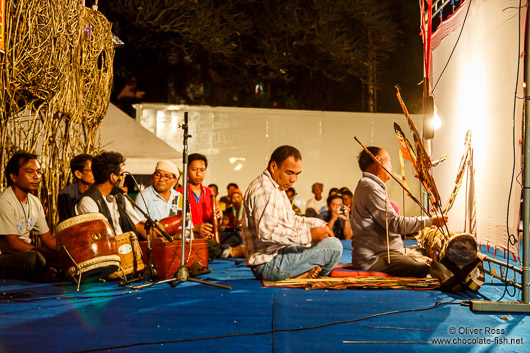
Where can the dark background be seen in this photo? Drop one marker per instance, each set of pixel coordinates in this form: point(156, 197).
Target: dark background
point(292, 54)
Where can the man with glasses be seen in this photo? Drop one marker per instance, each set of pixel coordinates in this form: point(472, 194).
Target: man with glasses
point(105, 196)
point(21, 214)
point(161, 200)
point(81, 167)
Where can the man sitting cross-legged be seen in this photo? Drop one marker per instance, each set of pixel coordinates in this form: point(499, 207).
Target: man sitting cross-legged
point(278, 243)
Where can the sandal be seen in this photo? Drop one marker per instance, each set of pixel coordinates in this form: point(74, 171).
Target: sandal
point(197, 269)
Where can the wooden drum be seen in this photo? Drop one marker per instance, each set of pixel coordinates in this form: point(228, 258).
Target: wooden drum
point(130, 254)
point(172, 225)
point(87, 246)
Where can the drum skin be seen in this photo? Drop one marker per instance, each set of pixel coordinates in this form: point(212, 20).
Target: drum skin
point(87, 246)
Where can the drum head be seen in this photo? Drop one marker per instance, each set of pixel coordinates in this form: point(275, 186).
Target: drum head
point(80, 219)
point(462, 249)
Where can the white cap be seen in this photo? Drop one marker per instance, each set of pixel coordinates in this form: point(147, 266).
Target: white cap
point(168, 166)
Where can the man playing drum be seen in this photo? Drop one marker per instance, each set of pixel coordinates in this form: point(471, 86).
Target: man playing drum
point(105, 197)
point(21, 214)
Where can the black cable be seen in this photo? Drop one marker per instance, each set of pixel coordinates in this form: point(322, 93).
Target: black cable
point(511, 237)
point(15, 297)
point(454, 47)
point(273, 331)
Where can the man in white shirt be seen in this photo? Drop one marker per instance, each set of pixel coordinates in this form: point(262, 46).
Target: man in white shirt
point(317, 203)
point(106, 198)
point(20, 214)
point(279, 244)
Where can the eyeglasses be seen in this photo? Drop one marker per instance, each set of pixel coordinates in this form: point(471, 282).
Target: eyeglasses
point(163, 176)
point(87, 170)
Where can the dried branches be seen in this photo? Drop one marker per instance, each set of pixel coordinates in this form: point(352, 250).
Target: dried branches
point(56, 78)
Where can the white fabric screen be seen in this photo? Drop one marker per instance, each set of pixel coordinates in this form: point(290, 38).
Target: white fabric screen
point(476, 91)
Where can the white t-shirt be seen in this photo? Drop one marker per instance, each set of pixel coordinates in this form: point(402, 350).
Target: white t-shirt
point(316, 205)
point(87, 205)
point(20, 218)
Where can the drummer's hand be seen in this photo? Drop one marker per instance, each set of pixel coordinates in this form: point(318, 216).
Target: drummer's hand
point(438, 220)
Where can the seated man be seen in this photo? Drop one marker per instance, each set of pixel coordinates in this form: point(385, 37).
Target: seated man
point(338, 217)
point(235, 212)
point(226, 201)
point(278, 243)
point(105, 197)
point(371, 214)
point(81, 167)
point(20, 214)
point(161, 200)
point(200, 202)
point(317, 203)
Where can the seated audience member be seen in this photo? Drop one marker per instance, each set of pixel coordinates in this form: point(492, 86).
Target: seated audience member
point(372, 213)
point(215, 189)
point(81, 167)
point(227, 199)
point(310, 212)
point(280, 244)
point(21, 214)
point(338, 217)
point(235, 213)
point(317, 203)
point(291, 193)
point(160, 200)
point(333, 191)
point(200, 202)
point(347, 198)
point(343, 189)
point(106, 197)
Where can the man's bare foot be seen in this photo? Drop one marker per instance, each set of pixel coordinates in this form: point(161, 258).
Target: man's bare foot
point(312, 273)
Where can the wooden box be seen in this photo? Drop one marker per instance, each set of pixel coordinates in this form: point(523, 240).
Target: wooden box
point(166, 255)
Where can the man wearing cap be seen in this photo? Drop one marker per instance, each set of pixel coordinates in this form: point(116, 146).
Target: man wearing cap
point(235, 212)
point(161, 200)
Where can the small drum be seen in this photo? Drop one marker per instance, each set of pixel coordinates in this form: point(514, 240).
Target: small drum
point(130, 254)
point(172, 225)
point(87, 246)
point(461, 249)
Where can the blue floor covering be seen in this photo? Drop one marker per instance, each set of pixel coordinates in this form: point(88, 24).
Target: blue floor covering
point(194, 317)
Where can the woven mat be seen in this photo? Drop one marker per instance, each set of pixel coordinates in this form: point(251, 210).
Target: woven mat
point(344, 276)
point(360, 282)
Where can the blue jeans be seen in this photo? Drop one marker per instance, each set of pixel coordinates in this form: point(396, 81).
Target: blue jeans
point(292, 261)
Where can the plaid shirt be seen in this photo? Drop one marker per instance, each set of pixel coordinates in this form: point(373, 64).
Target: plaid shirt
point(269, 223)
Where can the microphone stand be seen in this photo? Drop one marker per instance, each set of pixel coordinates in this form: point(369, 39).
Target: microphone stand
point(150, 225)
point(182, 274)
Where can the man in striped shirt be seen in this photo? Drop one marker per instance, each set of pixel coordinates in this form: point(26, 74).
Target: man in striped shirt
point(279, 244)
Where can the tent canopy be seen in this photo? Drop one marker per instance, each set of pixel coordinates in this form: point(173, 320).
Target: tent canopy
point(138, 145)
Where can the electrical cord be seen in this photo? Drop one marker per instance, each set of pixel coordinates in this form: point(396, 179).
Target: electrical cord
point(454, 47)
point(511, 237)
point(437, 304)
